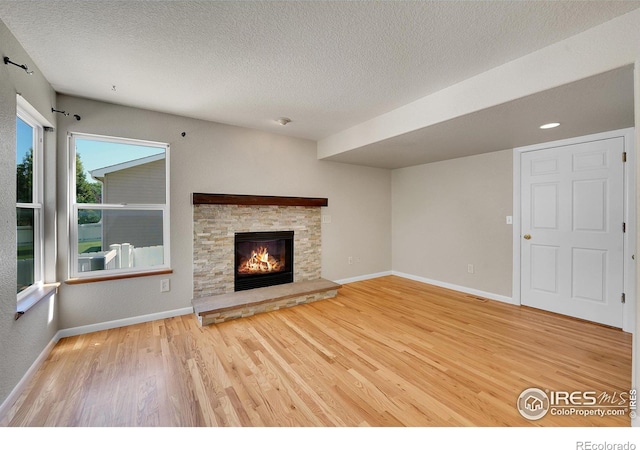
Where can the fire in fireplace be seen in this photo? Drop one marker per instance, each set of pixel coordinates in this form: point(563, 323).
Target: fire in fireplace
point(263, 259)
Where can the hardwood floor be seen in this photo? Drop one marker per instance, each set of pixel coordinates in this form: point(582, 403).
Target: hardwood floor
point(384, 352)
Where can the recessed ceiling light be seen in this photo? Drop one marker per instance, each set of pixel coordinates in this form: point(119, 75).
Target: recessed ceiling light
point(546, 126)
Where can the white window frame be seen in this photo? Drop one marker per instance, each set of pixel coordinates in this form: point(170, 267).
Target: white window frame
point(36, 202)
point(74, 207)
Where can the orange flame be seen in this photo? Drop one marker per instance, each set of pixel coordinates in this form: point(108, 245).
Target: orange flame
point(260, 262)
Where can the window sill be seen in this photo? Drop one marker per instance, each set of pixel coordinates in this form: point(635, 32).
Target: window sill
point(41, 293)
point(117, 277)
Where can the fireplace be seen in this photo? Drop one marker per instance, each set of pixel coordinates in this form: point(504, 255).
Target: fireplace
point(263, 259)
point(218, 217)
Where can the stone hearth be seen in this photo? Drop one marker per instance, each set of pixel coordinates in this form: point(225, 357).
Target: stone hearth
point(225, 307)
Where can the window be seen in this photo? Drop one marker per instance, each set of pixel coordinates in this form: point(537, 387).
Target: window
point(119, 201)
point(29, 203)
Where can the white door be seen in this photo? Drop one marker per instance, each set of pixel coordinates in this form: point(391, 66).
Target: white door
point(572, 214)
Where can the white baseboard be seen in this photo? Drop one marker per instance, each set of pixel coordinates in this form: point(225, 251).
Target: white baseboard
point(22, 384)
point(455, 287)
point(362, 277)
point(123, 322)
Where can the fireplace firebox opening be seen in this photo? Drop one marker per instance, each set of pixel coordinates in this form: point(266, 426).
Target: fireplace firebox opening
point(263, 259)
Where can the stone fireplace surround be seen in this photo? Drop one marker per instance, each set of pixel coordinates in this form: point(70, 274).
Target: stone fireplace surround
point(216, 219)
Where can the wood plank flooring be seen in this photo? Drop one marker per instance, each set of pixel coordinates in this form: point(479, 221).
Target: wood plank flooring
point(385, 352)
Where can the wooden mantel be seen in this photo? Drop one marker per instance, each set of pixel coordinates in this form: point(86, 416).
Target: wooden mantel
point(255, 200)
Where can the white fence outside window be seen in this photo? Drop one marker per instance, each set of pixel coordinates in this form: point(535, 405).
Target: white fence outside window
point(121, 256)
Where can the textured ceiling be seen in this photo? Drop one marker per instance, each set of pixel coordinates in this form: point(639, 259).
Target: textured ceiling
point(328, 65)
point(596, 104)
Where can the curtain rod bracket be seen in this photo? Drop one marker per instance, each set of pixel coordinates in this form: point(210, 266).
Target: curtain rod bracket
point(7, 60)
point(64, 113)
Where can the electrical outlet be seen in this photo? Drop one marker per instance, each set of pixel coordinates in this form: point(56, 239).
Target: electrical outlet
point(350, 259)
point(164, 285)
point(326, 219)
point(358, 260)
point(470, 268)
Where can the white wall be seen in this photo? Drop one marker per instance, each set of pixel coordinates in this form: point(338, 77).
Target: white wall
point(450, 214)
point(22, 341)
point(216, 158)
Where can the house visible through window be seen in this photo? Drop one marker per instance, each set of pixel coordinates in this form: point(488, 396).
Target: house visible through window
point(28, 203)
point(120, 208)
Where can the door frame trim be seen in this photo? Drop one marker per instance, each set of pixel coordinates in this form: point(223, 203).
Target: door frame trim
point(628, 134)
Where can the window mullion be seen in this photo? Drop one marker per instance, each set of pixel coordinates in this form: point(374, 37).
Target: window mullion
point(29, 205)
